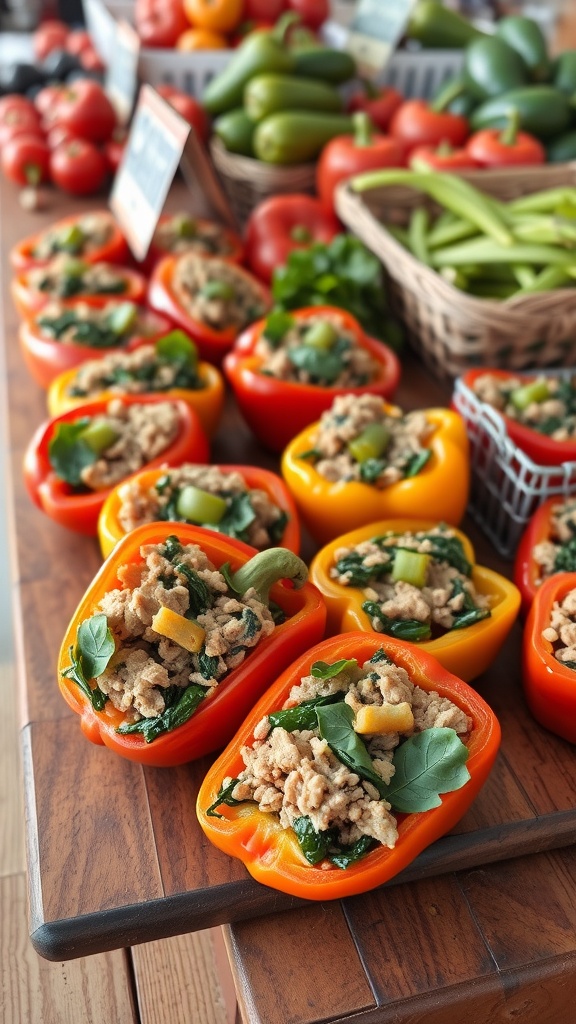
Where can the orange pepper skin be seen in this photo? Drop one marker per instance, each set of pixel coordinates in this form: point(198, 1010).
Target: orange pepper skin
point(466, 652)
point(29, 300)
point(527, 575)
point(113, 250)
point(80, 511)
point(212, 344)
point(276, 410)
point(110, 532)
point(331, 509)
point(271, 854)
point(549, 686)
point(220, 714)
point(207, 402)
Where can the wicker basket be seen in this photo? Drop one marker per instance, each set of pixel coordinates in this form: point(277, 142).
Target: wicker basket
point(451, 330)
point(247, 181)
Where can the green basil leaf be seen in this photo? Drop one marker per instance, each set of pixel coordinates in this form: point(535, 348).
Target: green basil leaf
point(95, 645)
point(174, 715)
point(402, 629)
point(348, 855)
point(322, 367)
point(322, 670)
point(335, 723)
point(278, 323)
point(69, 455)
point(176, 346)
point(314, 844)
point(75, 672)
point(303, 715)
point(427, 764)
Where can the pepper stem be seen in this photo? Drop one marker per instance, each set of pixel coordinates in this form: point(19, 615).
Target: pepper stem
point(509, 134)
point(301, 234)
point(363, 129)
point(266, 568)
point(451, 91)
point(285, 22)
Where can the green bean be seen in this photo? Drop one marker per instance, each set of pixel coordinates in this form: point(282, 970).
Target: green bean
point(524, 274)
point(417, 230)
point(448, 233)
point(399, 233)
point(485, 250)
point(545, 201)
point(455, 277)
point(547, 280)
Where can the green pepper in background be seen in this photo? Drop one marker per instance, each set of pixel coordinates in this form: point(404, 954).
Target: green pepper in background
point(525, 36)
point(562, 148)
point(492, 67)
point(543, 111)
point(293, 137)
point(454, 96)
point(437, 27)
point(564, 72)
point(266, 94)
point(314, 61)
point(236, 131)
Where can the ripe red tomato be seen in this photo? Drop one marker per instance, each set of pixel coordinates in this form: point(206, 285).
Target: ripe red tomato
point(46, 99)
point(91, 60)
point(188, 108)
point(263, 10)
point(78, 40)
point(114, 148)
point(19, 121)
point(86, 111)
point(14, 101)
point(50, 35)
point(26, 160)
point(160, 22)
point(312, 12)
point(78, 167)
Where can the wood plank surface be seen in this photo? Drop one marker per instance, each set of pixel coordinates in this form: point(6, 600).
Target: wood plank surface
point(138, 867)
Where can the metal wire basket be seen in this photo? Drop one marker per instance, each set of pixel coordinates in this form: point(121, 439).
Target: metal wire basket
point(506, 486)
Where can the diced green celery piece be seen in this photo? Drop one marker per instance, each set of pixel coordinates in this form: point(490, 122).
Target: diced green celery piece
point(200, 506)
point(75, 268)
point(411, 567)
point(371, 443)
point(121, 319)
point(536, 391)
point(71, 237)
point(98, 435)
point(185, 227)
point(218, 290)
point(320, 335)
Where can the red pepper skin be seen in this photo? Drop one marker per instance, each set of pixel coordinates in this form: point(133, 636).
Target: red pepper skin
point(543, 450)
point(47, 358)
point(488, 149)
point(380, 108)
point(79, 512)
point(157, 252)
point(212, 344)
point(219, 715)
point(343, 158)
point(110, 530)
point(277, 410)
point(438, 159)
point(527, 576)
point(549, 686)
point(29, 300)
point(114, 250)
point(415, 123)
point(271, 854)
point(280, 224)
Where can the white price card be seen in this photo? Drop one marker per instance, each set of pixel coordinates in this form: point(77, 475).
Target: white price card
point(159, 141)
point(122, 72)
point(376, 28)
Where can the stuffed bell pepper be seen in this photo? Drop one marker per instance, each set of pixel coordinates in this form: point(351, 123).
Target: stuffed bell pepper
point(417, 580)
point(67, 332)
point(549, 655)
point(539, 412)
point(170, 366)
point(366, 460)
point(179, 634)
point(286, 370)
point(177, 233)
point(248, 503)
point(363, 753)
point(66, 277)
point(547, 546)
point(74, 460)
point(92, 237)
point(209, 298)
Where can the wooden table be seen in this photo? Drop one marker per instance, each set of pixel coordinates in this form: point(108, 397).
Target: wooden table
point(116, 857)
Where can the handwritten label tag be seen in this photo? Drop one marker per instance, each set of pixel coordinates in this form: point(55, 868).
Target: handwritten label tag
point(122, 72)
point(158, 142)
point(375, 31)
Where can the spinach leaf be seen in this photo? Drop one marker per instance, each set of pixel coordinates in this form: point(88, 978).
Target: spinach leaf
point(68, 453)
point(238, 517)
point(565, 559)
point(403, 629)
point(201, 597)
point(322, 367)
point(569, 664)
point(311, 453)
point(251, 623)
point(58, 325)
point(321, 670)
point(470, 613)
point(335, 723)
point(359, 574)
point(303, 715)
point(348, 855)
point(371, 469)
point(380, 655)
point(314, 844)
point(224, 797)
point(180, 706)
point(276, 529)
point(207, 664)
point(417, 462)
point(278, 323)
point(449, 549)
point(172, 548)
point(427, 764)
point(94, 649)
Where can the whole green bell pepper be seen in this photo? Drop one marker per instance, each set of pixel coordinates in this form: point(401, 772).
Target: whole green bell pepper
point(564, 73)
point(492, 67)
point(525, 36)
point(436, 26)
point(543, 111)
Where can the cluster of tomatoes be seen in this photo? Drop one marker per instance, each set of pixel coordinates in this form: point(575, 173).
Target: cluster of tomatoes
point(216, 24)
point(54, 35)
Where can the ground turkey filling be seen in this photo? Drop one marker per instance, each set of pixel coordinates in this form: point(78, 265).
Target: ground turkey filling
point(145, 664)
point(343, 363)
point(216, 293)
point(141, 432)
point(295, 773)
point(251, 516)
point(66, 276)
point(347, 419)
point(182, 233)
point(562, 630)
point(446, 600)
point(94, 327)
point(136, 372)
point(553, 414)
point(78, 239)
point(558, 553)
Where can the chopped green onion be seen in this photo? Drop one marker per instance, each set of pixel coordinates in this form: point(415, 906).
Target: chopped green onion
point(536, 391)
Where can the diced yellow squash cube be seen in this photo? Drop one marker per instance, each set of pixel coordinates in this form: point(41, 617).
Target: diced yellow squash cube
point(185, 632)
point(373, 718)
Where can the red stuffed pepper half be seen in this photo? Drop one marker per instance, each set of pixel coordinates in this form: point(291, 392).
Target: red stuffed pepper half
point(66, 277)
point(179, 634)
point(547, 546)
point(74, 460)
point(287, 369)
point(549, 655)
point(92, 237)
point(177, 233)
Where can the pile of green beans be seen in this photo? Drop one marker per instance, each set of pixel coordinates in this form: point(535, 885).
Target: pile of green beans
point(480, 244)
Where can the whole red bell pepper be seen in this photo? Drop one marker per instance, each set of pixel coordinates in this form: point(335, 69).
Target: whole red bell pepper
point(76, 508)
point(380, 103)
point(347, 155)
point(542, 449)
point(419, 123)
point(218, 715)
point(540, 530)
point(213, 344)
point(271, 852)
point(280, 224)
point(67, 237)
point(46, 357)
point(505, 147)
point(29, 296)
point(443, 157)
point(549, 684)
point(276, 410)
point(226, 244)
